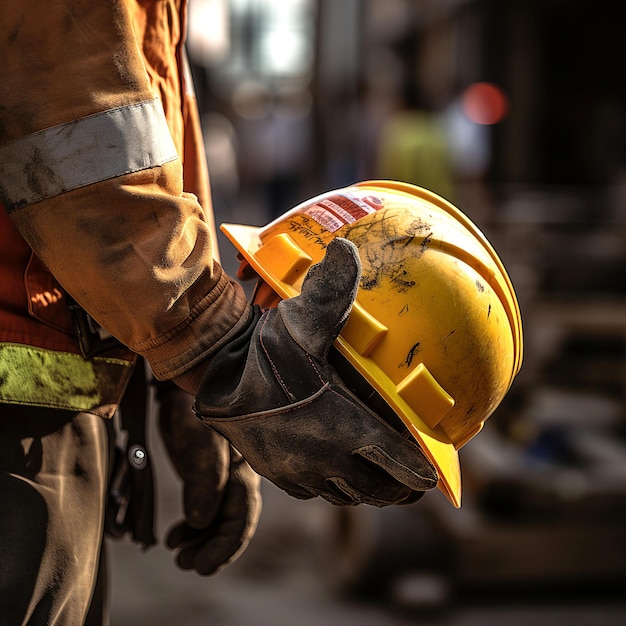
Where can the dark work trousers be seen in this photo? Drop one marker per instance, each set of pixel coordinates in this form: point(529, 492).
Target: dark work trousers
point(53, 483)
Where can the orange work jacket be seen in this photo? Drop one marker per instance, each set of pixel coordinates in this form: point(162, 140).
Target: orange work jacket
point(105, 196)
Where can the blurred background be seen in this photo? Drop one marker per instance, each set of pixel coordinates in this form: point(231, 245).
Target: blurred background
point(516, 112)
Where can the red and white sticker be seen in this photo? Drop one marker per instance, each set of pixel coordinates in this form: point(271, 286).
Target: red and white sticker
point(336, 211)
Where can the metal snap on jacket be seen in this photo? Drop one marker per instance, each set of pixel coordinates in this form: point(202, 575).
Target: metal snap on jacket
point(137, 456)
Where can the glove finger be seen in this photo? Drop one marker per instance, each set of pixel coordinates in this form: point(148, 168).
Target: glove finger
point(333, 493)
point(207, 465)
point(373, 493)
point(408, 466)
point(180, 535)
point(299, 492)
point(315, 318)
point(199, 454)
point(187, 540)
point(237, 522)
point(342, 500)
point(413, 497)
point(201, 503)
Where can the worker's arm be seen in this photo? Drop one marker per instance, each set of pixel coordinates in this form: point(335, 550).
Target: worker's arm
point(89, 170)
point(90, 174)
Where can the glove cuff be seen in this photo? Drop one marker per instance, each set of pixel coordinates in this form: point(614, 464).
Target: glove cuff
point(191, 379)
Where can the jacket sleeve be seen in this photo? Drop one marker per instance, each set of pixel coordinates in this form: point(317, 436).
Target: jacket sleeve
point(91, 174)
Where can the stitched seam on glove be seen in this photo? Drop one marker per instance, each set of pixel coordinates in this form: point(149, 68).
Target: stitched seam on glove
point(216, 421)
point(315, 369)
point(275, 371)
point(277, 375)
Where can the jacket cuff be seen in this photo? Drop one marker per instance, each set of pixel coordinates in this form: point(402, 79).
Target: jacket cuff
point(216, 318)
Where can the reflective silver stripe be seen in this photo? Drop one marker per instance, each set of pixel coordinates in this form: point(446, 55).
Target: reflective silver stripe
point(86, 151)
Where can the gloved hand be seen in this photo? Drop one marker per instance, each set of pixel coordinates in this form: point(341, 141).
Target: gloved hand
point(273, 394)
point(221, 493)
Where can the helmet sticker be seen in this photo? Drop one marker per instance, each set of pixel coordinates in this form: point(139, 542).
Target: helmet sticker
point(338, 210)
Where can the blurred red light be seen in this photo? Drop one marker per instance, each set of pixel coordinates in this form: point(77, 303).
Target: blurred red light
point(485, 103)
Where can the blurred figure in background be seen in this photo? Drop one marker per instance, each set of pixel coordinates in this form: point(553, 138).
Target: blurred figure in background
point(413, 147)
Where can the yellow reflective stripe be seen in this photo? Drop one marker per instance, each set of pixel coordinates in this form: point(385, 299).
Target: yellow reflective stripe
point(85, 151)
point(37, 377)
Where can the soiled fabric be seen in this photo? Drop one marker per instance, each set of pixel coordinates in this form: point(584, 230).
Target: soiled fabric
point(53, 476)
point(127, 230)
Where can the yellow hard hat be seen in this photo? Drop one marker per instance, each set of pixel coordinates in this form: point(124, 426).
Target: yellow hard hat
point(436, 328)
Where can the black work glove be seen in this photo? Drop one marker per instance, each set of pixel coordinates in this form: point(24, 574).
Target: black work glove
point(273, 394)
point(221, 493)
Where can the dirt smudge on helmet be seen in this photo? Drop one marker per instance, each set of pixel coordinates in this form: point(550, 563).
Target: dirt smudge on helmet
point(384, 244)
point(409, 357)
